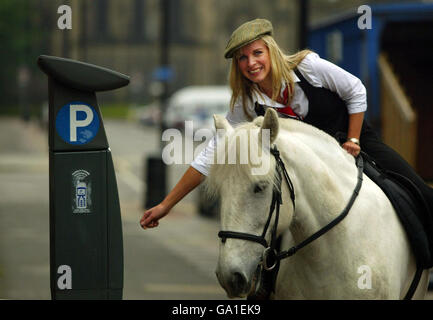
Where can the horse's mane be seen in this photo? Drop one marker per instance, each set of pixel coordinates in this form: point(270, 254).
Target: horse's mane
point(220, 172)
point(302, 135)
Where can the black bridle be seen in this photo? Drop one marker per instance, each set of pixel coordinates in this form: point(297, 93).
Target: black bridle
point(270, 253)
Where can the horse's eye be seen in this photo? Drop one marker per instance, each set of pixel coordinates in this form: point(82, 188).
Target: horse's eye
point(259, 187)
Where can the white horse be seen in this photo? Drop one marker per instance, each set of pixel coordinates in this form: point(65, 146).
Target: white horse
point(366, 256)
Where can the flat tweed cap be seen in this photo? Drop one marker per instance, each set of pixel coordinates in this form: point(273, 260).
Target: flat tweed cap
point(247, 33)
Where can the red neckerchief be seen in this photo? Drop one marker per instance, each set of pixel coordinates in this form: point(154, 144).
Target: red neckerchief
point(287, 109)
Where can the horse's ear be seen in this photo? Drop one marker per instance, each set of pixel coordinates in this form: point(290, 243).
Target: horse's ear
point(222, 126)
point(270, 122)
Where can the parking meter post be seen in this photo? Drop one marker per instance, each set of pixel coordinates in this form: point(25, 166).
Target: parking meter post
point(155, 166)
point(86, 241)
point(155, 181)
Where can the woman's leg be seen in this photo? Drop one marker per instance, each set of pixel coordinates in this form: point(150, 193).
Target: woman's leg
point(389, 159)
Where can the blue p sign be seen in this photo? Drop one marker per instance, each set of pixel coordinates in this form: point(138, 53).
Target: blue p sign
point(77, 123)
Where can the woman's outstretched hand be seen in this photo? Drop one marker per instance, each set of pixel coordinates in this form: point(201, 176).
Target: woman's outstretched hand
point(352, 148)
point(187, 183)
point(151, 216)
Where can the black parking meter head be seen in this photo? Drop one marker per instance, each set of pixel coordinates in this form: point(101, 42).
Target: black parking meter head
point(86, 242)
point(80, 75)
point(77, 82)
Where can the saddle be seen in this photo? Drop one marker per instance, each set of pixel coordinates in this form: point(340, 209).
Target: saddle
point(410, 207)
point(408, 203)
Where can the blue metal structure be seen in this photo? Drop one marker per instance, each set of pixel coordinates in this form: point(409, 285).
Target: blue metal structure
point(340, 40)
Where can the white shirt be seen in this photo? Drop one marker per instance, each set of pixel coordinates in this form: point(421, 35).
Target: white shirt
point(319, 73)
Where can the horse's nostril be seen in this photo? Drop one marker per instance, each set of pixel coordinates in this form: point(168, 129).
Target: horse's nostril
point(238, 282)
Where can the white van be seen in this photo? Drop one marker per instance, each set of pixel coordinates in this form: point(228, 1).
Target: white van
point(197, 104)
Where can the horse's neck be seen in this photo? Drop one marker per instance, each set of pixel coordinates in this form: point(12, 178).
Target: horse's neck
point(324, 178)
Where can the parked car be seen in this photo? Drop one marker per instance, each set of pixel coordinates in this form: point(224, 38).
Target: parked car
point(197, 104)
point(149, 115)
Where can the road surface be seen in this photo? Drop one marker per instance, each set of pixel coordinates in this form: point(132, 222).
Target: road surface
point(175, 261)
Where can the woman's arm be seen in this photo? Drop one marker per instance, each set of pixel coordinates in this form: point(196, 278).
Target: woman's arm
point(322, 73)
point(189, 181)
point(354, 131)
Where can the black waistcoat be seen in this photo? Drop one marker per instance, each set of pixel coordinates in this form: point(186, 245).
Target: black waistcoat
point(327, 111)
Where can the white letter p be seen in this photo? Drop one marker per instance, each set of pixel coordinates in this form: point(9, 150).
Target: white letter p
point(74, 123)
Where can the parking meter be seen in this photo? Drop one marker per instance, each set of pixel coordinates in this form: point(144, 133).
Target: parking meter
point(86, 242)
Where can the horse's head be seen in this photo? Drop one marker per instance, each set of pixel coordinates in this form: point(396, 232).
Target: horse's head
point(244, 176)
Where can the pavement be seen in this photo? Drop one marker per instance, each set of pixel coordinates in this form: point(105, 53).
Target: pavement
point(24, 271)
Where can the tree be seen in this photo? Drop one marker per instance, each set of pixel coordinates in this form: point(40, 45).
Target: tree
point(21, 40)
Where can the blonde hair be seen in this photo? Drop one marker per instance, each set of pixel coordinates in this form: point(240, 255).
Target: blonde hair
point(281, 67)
